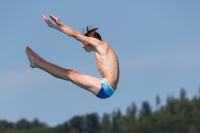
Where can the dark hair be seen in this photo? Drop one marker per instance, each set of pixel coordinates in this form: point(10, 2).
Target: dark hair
point(92, 33)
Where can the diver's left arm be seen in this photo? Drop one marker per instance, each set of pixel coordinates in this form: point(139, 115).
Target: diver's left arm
point(59, 25)
point(99, 45)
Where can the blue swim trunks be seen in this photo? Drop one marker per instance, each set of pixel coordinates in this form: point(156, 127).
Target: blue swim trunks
point(106, 90)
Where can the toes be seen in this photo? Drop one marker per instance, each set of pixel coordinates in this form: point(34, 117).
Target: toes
point(27, 49)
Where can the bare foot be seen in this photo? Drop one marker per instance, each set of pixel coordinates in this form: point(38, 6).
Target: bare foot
point(32, 56)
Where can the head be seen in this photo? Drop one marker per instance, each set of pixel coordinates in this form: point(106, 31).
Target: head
point(91, 33)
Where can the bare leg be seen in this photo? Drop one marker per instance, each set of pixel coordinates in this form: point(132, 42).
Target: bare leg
point(87, 82)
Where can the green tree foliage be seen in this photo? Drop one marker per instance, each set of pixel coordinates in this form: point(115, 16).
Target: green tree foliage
point(131, 111)
point(179, 115)
point(92, 123)
point(115, 123)
point(63, 128)
point(77, 124)
point(146, 110)
point(24, 126)
point(199, 93)
point(182, 94)
point(106, 123)
point(158, 101)
point(4, 125)
point(171, 102)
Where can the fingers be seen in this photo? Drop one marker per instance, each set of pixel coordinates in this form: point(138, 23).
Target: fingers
point(47, 21)
point(45, 18)
point(55, 19)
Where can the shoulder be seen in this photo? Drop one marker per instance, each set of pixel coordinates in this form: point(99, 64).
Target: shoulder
point(97, 43)
point(103, 48)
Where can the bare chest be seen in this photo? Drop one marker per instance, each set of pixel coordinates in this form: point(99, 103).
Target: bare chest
point(107, 64)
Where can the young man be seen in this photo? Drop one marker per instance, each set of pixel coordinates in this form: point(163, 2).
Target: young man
point(106, 61)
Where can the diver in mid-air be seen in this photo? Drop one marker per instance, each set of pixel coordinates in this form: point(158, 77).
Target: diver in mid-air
point(106, 61)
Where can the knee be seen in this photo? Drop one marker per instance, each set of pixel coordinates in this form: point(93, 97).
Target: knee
point(71, 74)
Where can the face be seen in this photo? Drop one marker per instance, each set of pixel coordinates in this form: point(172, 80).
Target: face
point(87, 47)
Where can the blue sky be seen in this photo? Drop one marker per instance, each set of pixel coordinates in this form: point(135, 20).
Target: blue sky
point(157, 43)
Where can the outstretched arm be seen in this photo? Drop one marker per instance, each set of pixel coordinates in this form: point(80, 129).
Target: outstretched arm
point(69, 31)
point(59, 25)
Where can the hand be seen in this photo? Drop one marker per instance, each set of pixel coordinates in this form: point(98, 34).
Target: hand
point(55, 19)
point(59, 25)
